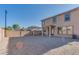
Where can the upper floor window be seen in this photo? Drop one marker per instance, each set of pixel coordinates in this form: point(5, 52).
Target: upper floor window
point(67, 17)
point(54, 19)
point(43, 23)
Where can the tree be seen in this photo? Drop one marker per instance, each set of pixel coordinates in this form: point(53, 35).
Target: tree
point(22, 29)
point(33, 27)
point(9, 28)
point(16, 27)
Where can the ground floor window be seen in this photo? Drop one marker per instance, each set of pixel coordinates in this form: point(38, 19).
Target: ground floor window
point(59, 30)
point(69, 30)
point(65, 30)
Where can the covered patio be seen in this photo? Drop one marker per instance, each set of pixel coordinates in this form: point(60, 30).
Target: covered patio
point(49, 30)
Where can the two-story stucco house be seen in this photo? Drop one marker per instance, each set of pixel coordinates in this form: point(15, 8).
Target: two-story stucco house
point(64, 24)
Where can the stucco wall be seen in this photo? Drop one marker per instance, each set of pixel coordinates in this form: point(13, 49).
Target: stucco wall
point(12, 33)
point(1, 34)
point(74, 21)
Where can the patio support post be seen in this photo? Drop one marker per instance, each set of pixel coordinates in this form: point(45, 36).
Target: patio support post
point(50, 31)
point(42, 32)
point(56, 30)
point(33, 33)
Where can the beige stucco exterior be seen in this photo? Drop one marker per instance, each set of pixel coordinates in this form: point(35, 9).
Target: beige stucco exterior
point(48, 23)
point(1, 34)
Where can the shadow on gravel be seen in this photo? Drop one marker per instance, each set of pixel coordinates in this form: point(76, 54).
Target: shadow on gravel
point(36, 45)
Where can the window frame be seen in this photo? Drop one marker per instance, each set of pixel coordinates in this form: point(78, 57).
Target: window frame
point(55, 19)
point(67, 17)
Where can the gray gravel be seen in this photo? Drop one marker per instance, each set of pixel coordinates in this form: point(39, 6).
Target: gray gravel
point(35, 45)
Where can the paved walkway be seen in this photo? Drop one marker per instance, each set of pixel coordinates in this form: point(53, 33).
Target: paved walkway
point(32, 45)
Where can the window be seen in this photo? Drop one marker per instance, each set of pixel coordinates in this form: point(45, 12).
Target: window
point(69, 30)
point(54, 19)
point(67, 17)
point(59, 30)
point(43, 22)
point(64, 30)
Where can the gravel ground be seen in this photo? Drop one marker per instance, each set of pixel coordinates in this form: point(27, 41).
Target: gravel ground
point(38, 45)
point(69, 49)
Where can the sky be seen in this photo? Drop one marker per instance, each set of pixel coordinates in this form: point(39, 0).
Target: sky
point(30, 14)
